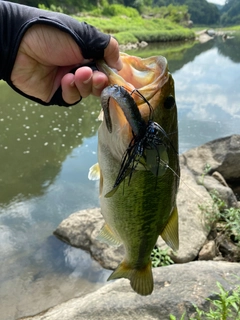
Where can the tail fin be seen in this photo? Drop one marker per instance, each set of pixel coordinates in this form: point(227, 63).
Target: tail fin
point(141, 280)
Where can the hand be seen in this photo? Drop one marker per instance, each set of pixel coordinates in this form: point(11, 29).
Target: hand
point(45, 58)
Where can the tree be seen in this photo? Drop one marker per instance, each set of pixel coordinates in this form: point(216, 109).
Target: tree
point(201, 11)
point(231, 13)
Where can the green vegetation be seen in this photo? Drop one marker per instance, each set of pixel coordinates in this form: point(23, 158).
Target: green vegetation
point(228, 218)
point(160, 258)
point(225, 306)
point(128, 29)
point(128, 26)
point(231, 13)
point(201, 12)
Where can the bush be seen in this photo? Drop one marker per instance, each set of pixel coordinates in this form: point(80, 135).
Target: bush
point(163, 36)
point(119, 10)
point(51, 8)
point(125, 37)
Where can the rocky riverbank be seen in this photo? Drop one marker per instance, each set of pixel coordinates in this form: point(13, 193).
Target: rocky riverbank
point(187, 282)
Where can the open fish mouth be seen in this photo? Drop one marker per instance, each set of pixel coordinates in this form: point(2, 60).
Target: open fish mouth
point(147, 75)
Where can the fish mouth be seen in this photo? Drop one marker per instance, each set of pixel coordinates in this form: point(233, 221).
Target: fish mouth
point(142, 78)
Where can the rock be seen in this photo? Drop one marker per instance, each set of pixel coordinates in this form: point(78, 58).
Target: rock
point(143, 44)
point(131, 46)
point(227, 248)
point(223, 192)
point(211, 32)
point(216, 175)
point(202, 36)
point(80, 230)
point(190, 24)
point(223, 155)
point(223, 158)
point(208, 251)
point(177, 288)
point(192, 230)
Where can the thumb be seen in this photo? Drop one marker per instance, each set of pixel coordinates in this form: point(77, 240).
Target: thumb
point(111, 55)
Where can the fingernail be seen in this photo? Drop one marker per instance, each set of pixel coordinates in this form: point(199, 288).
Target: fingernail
point(87, 81)
point(72, 84)
point(99, 86)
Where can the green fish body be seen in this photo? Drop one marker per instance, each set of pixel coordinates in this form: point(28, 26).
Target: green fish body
point(144, 206)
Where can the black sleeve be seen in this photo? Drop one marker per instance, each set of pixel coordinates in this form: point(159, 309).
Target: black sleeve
point(15, 19)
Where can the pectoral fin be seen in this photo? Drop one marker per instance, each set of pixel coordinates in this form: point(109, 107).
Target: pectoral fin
point(94, 172)
point(170, 232)
point(106, 235)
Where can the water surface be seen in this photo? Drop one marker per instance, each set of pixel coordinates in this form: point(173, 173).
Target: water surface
point(45, 155)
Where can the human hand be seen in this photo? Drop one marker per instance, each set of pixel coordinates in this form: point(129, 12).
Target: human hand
point(46, 56)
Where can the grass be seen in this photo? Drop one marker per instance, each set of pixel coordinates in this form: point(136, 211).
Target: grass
point(228, 217)
point(218, 212)
point(233, 28)
point(133, 29)
point(160, 257)
point(226, 306)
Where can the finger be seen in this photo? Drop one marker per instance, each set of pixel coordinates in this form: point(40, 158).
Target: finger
point(70, 92)
point(83, 81)
point(99, 82)
point(111, 55)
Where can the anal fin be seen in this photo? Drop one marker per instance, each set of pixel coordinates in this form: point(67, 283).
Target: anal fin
point(170, 232)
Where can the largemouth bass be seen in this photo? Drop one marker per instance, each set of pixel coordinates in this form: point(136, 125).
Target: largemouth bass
point(138, 164)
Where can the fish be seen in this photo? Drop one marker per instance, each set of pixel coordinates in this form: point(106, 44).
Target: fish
point(138, 164)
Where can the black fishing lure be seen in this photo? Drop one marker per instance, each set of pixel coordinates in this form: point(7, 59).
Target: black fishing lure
point(150, 142)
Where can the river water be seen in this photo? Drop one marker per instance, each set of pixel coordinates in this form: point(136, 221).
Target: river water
point(45, 155)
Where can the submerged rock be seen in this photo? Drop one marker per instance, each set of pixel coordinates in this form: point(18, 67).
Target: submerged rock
point(177, 288)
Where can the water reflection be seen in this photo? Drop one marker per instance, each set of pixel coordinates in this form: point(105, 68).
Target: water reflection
point(229, 47)
point(45, 155)
point(36, 140)
point(208, 98)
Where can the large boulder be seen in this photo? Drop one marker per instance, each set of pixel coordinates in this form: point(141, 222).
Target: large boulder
point(222, 155)
point(80, 230)
point(177, 288)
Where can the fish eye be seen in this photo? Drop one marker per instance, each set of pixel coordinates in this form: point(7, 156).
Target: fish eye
point(169, 102)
